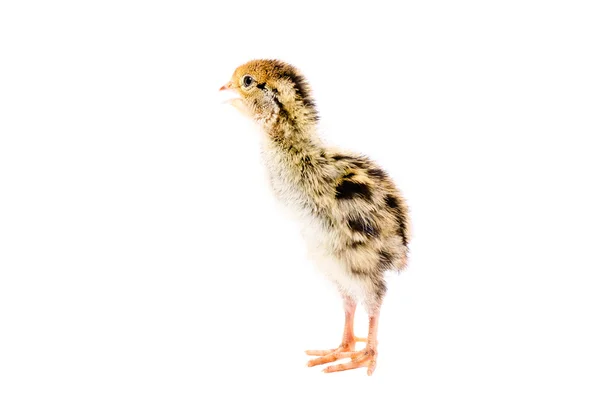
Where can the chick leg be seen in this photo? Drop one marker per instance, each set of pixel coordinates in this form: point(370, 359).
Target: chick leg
point(346, 348)
point(366, 357)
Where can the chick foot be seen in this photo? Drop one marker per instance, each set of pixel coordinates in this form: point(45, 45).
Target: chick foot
point(346, 350)
point(364, 358)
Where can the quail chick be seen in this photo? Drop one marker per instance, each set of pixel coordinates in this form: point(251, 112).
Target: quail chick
point(354, 219)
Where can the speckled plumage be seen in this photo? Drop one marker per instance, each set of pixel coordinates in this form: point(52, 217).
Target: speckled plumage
point(354, 218)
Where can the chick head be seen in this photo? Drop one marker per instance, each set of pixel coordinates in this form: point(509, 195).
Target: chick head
point(270, 90)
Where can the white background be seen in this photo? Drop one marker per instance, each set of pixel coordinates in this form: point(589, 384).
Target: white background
point(141, 253)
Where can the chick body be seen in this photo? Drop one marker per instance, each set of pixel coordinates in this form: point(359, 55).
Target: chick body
point(354, 219)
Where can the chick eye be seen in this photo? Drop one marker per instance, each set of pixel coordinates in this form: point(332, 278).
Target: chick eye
point(247, 81)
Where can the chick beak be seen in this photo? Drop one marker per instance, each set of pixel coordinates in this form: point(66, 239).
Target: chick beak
point(229, 92)
point(227, 86)
point(234, 99)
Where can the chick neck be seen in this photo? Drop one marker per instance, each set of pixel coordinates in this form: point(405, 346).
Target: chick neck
point(294, 131)
point(296, 159)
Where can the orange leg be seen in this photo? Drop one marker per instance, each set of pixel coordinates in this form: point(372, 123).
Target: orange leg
point(346, 348)
point(366, 357)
